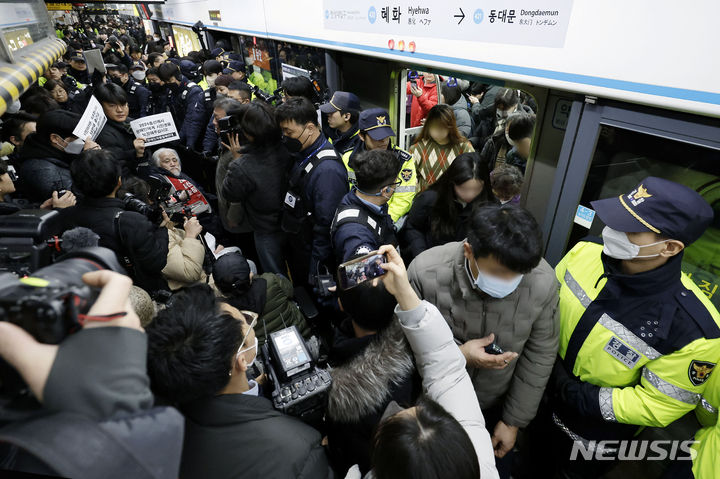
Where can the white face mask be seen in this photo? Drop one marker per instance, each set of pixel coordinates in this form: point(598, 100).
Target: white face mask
point(494, 286)
point(211, 80)
point(75, 147)
point(255, 347)
point(139, 75)
point(618, 246)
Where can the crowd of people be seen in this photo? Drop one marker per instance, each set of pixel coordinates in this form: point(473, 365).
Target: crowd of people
point(222, 235)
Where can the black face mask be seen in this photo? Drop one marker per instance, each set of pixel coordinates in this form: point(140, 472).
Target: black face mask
point(173, 87)
point(294, 145)
point(156, 88)
point(117, 80)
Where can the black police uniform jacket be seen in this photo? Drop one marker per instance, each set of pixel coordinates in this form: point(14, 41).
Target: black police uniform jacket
point(359, 238)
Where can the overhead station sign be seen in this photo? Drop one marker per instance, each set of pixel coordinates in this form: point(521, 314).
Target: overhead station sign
point(520, 22)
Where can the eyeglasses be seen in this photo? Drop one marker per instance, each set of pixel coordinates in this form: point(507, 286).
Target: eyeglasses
point(395, 185)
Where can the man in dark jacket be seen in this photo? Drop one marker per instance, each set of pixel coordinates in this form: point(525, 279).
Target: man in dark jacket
point(342, 113)
point(198, 354)
point(318, 181)
point(362, 223)
point(117, 135)
point(372, 366)
point(186, 104)
point(138, 96)
point(257, 178)
point(44, 161)
point(139, 245)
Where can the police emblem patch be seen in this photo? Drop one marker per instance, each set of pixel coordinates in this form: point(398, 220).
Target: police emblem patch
point(699, 371)
point(406, 174)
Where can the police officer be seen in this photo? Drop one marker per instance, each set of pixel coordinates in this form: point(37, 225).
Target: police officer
point(138, 95)
point(375, 133)
point(362, 224)
point(638, 339)
point(317, 184)
point(342, 116)
point(185, 102)
point(158, 91)
point(237, 69)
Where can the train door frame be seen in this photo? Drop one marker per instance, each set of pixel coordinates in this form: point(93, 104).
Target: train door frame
point(583, 130)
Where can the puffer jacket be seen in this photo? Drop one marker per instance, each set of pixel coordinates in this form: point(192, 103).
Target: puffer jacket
point(524, 322)
point(462, 116)
point(42, 169)
point(184, 261)
point(232, 215)
point(280, 310)
point(368, 373)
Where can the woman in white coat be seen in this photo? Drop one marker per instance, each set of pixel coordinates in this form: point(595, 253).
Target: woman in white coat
point(444, 434)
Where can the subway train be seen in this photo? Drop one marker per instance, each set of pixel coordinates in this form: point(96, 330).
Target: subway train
point(621, 90)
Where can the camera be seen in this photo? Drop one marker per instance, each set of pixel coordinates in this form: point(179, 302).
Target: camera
point(24, 240)
point(48, 304)
point(133, 203)
point(266, 97)
point(299, 387)
point(178, 196)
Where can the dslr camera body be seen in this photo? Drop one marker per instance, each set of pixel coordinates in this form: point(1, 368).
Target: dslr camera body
point(299, 386)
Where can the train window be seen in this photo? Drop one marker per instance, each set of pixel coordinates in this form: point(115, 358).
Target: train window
point(299, 60)
point(622, 158)
point(498, 123)
point(259, 59)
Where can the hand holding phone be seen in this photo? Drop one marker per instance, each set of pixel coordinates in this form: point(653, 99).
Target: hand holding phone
point(359, 270)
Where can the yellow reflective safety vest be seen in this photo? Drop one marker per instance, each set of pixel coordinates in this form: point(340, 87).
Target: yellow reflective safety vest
point(706, 465)
point(650, 341)
point(401, 201)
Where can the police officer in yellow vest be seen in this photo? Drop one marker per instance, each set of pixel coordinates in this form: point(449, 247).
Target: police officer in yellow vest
point(375, 133)
point(638, 339)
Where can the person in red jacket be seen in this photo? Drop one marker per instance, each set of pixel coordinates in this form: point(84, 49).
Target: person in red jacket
point(425, 96)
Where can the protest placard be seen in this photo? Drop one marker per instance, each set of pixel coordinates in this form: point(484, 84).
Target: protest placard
point(94, 60)
point(92, 122)
point(155, 129)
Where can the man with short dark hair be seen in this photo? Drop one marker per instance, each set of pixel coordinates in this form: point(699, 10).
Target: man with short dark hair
point(362, 223)
point(342, 113)
point(138, 96)
point(199, 352)
point(318, 182)
point(186, 103)
point(117, 136)
point(494, 289)
point(139, 245)
point(240, 91)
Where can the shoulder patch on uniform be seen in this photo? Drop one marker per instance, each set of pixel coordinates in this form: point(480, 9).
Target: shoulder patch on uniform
point(699, 371)
point(406, 174)
point(404, 155)
point(327, 153)
point(362, 250)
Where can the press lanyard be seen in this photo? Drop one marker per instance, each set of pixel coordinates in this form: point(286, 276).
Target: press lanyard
point(302, 163)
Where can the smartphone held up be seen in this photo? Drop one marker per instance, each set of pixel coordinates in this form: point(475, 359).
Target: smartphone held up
point(362, 269)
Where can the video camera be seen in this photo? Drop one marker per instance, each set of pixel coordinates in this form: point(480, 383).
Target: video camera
point(299, 387)
point(178, 197)
point(273, 99)
point(48, 304)
point(24, 240)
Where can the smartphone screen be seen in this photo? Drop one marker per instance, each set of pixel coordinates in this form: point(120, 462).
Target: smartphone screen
point(360, 270)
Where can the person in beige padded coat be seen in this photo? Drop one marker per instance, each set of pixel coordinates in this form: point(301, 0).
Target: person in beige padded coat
point(495, 290)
